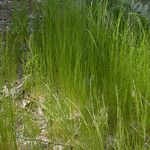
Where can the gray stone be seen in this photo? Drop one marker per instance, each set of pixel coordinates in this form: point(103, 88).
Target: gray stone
point(140, 6)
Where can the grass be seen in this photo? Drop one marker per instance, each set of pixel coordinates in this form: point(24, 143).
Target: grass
point(87, 85)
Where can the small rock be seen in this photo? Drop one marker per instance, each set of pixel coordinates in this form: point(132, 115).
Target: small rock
point(58, 147)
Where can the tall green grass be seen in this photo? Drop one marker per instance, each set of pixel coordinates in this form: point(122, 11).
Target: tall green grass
point(93, 66)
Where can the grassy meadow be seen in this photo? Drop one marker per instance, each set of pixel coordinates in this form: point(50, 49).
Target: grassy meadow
point(84, 71)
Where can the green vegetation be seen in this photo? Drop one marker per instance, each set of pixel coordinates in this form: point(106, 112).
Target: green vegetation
point(85, 71)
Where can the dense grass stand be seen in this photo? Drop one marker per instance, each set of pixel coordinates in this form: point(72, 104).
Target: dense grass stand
point(85, 73)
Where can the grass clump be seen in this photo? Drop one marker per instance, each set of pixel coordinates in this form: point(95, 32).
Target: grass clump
point(88, 85)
